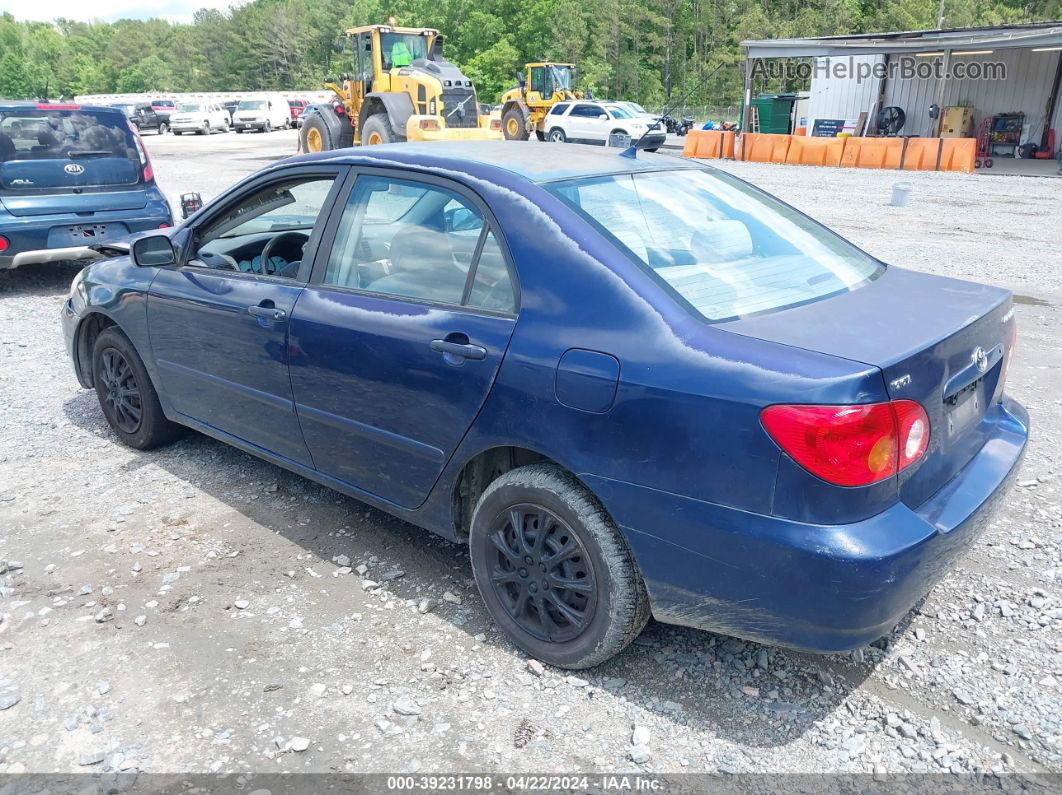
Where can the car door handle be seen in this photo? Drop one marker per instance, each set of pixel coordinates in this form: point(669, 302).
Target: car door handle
point(267, 312)
point(464, 350)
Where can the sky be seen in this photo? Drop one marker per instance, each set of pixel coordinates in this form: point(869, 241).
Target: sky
point(108, 10)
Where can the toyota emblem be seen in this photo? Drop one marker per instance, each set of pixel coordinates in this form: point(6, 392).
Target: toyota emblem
point(74, 168)
point(980, 358)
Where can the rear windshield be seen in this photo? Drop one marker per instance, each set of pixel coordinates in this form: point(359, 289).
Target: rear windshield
point(252, 104)
point(46, 149)
point(162, 103)
point(727, 249)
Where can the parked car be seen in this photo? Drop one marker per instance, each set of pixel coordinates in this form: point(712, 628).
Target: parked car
point(594, 122)
point(146, 118)
point(261, 113)
point(712, 409)
point(296, 107)
point(71, 176)
point(163, 106)
point(201, 118)
point(301, 118)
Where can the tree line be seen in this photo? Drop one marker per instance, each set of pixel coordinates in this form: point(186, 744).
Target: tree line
point(651, 51)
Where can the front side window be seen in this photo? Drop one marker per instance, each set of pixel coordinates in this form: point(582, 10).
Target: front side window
point(725, 248)
point(401, 49)
point(420, 241)
point(266, 232)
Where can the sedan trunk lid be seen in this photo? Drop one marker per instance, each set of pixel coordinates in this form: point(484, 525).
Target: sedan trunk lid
point(939, 341)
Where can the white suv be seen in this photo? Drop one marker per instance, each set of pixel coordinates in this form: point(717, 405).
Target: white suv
point(201, 118)
point(594, 122)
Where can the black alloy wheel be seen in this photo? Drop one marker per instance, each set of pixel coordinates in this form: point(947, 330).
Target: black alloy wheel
point(120, 391)
point(542, 575)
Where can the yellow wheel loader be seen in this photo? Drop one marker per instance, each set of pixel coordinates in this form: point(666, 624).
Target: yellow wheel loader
point(524, 107)
point(400, 88)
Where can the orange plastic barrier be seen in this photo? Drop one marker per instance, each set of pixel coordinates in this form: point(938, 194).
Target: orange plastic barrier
point(709, 144)
point(921, 154)
point(815, 151)
point(872, 153)
point(764, 147)
point(959, 154)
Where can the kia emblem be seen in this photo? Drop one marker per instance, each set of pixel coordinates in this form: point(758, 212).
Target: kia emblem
point(980, 358)
point(74, 168)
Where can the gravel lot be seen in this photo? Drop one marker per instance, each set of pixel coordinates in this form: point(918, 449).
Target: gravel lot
point(194, 609)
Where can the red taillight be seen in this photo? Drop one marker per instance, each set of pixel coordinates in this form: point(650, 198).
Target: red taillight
point(339, 109)
point(850, 445)
point(164, 226)
point(4, 243)
point(141, 150)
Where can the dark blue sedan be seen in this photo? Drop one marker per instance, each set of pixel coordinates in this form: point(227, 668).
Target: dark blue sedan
point(71, 176)
point(633, 387)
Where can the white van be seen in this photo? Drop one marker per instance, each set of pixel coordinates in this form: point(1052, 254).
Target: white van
point(263, 112)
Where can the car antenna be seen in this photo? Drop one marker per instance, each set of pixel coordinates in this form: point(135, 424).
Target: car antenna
point(632, 150)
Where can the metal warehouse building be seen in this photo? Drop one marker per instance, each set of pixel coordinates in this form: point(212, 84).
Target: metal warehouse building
point(1009, 73)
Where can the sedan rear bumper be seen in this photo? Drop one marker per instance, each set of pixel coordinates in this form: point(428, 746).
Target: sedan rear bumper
point(822, 588)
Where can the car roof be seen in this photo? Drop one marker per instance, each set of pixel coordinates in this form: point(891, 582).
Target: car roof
point(532, 160)
point(57, 106)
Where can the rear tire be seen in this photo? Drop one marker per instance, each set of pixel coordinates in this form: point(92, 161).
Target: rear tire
point(557, 136)
point(580, 599)
point(377, 130)
point(126, 394)
point(514, 125)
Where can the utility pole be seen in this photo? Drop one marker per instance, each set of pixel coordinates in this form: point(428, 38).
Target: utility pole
point(940, 16)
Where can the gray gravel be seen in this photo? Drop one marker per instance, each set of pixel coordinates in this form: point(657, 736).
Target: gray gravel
point(186, 611)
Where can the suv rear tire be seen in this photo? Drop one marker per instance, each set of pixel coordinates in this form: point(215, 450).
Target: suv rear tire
point(553, 569)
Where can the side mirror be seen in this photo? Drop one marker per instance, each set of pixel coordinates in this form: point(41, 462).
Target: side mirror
point(154, 251)
point(461, 219)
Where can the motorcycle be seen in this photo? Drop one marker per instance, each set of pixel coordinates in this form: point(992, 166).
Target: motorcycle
point(675, 126)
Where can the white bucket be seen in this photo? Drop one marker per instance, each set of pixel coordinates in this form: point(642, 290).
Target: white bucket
point(900, 192)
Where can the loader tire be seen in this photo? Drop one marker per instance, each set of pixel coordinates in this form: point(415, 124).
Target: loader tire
point(377, 130)
point(514, 125)
point(315, 135)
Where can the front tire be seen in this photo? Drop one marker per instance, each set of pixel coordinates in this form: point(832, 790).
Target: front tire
point(514, 125)
point(126, 394)
point(163, 128)
point(315, 135)
point(554, 570)
point(377, 130)
point(557, 136)
point(267, 127)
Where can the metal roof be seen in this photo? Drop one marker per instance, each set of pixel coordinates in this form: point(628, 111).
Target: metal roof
point(1039, 34)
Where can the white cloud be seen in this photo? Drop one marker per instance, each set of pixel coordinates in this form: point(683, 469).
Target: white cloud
point(108, 10)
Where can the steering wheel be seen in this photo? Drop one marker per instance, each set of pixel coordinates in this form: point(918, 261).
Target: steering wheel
point(267, 252)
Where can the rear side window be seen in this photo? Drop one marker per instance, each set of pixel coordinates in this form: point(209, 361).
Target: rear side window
point(558, 109)
point(725, 248)
point(47, 149)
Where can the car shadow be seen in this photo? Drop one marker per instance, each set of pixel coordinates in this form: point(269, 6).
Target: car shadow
point(52, 278)
point(743, 692)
